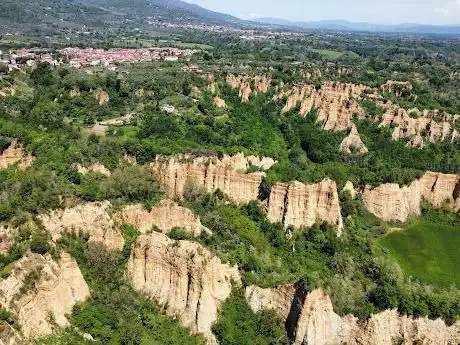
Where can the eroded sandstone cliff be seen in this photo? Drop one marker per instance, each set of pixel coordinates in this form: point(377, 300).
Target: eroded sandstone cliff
point(101, 96)
point(7, 234)
point(9, 90)
point(228, 174)
point(352, 144)
point(185, 277)
point(278, 299)
point(93, 219)
point(219, 102)
point(248, 85)
point(390, 202)
point(15, 154)
point(41, 302)
point(399, 88)
point(335, 103)
point(298, 204)
point(93, 168)
point(312, 320)
point(165, 216)
point(418, 127)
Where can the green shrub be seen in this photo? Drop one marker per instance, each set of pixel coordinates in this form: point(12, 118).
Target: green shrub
point(39, 243)
point(237, 324)
point(5, 315)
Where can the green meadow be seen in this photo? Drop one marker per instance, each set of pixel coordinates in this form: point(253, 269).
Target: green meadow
point(428, 251)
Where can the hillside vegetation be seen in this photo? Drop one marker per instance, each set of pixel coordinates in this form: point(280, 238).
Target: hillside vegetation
point(126, 138)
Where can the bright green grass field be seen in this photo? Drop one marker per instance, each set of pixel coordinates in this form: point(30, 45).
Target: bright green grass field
point(427, 251)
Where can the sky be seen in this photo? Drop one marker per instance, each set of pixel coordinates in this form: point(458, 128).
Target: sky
point(386, 11)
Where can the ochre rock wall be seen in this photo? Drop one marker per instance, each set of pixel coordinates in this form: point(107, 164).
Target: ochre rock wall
point(166, 215)
point(248, 85)
point(59, 287)
point(419, 127)
point(208, 174)
point(93, 168)
point(15, 154)
point(298, 204)
point(312, 320)
point(93, 219)
point(279, 299)
point(352, 144)
point(390, 202)
point(335, 103)
point(185, 277)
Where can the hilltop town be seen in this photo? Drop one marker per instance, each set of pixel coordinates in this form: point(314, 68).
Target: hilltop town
point(83, 57)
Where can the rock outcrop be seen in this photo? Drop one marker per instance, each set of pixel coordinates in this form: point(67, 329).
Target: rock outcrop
point(312, 320)
point(248, 85)
point(93, 219)
point(350, 188)
point(399, 88)
point(57, 287)
point(165, 216)
point(185, 277)
point(335, 103)
point(302, 205)
point(7, 234)
point(93, 168)
point(74, 93)
point(15, 154)
point(441, 190)
point(419, 127)
point(101, 96)
point(390, 202)
point(219, 102)
point(353, 144)
point(278, 299)
point(9, 90)
point(209, 174)
point(196, 92)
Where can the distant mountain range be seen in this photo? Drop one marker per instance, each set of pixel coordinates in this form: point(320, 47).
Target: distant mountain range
point(342, 25)
point(49, 17)
point(40, 18)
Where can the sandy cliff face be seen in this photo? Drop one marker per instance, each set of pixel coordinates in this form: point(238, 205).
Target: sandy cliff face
point(196, 92)
point(164, 216)
point(350, 188)
point(101, 96)
point(353, 144)
point(59, 286)
point(15, 154)
point(7, 234)
point(185, 277)
point(90, 218)
point(334, 101)
point(8, 91)
point(441, 190)
point(312, 320)
point(209, 174)
point(248, 85)
point(278, 299)
point(93, 168)
point(390, 202)
point(419, 127)
point(399, 88)
point(299, 204)
point(219, 102)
